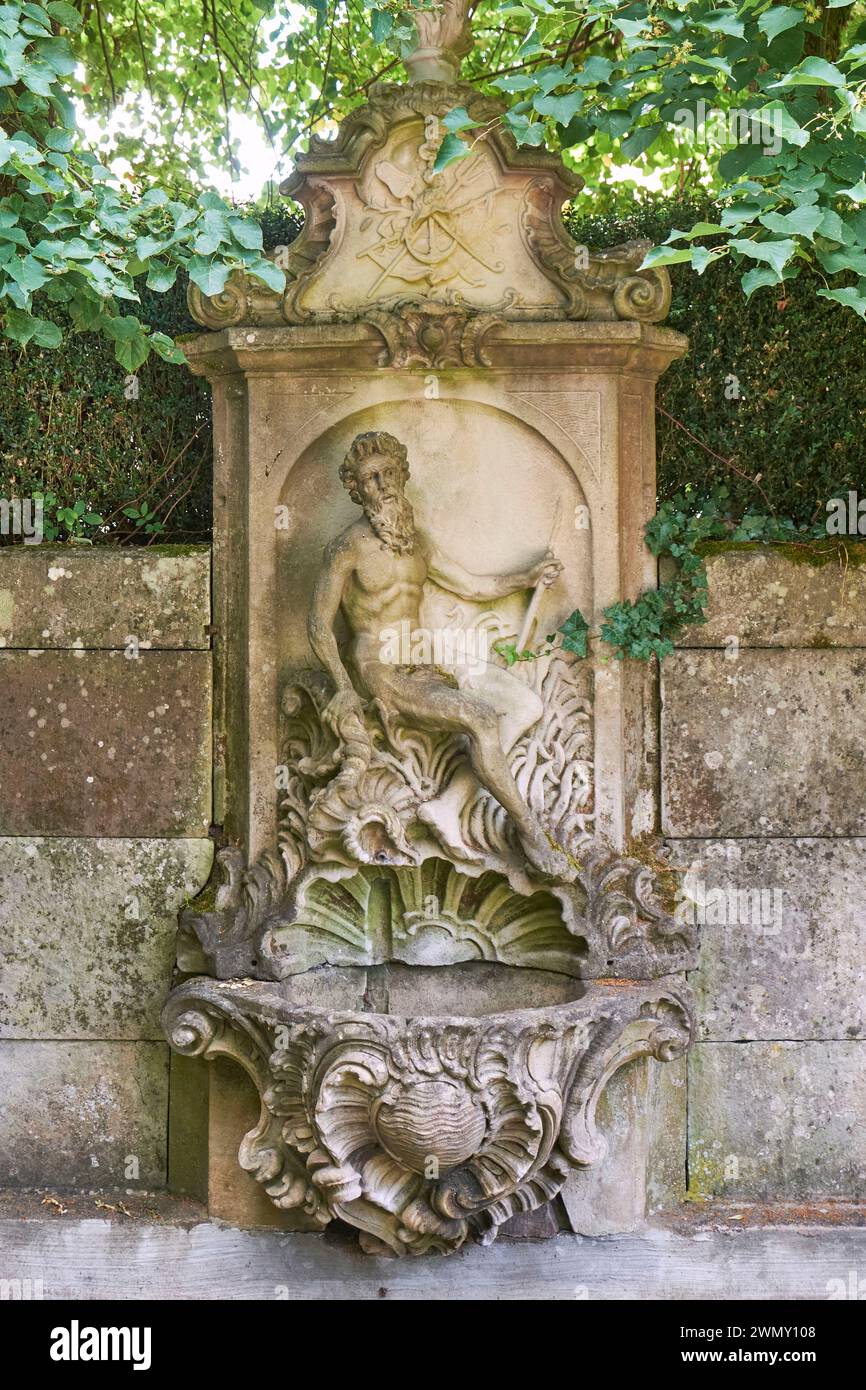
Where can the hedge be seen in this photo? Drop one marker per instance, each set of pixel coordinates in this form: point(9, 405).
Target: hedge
point(773, 390)
point(73, 424)
point(795, 417)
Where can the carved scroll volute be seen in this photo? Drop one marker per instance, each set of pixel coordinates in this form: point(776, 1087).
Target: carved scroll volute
point(243, 300)
point(424, 1131)
point(662, 1029)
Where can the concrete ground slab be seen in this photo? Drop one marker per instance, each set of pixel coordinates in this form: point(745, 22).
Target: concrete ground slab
point(115, 1258)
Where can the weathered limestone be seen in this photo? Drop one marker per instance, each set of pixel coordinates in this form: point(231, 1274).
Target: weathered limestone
point(232, 1194)
point(783, 937)
point(777, 1119)
point(187, 1117)
point(88, 933)
point(87, 1115)
point(60, 596)
point(762, 744)
point(472, 990)
point(98, 743)
point(766, 597)
point(422, 788)
point(767, 743)
point(642, 1118)
point(422, 1131)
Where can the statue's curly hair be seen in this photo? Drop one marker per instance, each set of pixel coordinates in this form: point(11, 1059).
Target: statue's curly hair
point(362, 446)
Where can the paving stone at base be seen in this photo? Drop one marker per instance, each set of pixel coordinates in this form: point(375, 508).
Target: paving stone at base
point(102, 1259)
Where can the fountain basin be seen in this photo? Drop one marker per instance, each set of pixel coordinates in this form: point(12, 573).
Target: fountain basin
point(425, 1129)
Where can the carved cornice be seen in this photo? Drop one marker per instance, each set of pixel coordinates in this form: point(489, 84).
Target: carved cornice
point(424, 1131)
point(491, 340)
point(433, 336)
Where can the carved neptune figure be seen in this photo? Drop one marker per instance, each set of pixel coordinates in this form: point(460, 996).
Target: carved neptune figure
point(394, 801)
point(375, 572)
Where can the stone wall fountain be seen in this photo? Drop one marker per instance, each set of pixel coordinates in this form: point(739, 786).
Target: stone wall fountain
point(430, 449)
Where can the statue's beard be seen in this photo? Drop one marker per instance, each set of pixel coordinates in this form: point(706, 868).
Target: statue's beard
point(393, 521)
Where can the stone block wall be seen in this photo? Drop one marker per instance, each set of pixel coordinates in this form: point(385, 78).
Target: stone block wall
point(105, 808)
point(764, 797)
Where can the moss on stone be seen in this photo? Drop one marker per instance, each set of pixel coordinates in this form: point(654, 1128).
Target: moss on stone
point(205, 901)
point(833, 549)
point(173, 552)
point(644, 848)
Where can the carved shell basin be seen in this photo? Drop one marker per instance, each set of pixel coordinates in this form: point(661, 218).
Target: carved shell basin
point(431, 1126)
point(424, 1130)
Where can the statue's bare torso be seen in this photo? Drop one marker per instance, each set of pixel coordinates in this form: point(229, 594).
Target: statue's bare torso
point(383, 588)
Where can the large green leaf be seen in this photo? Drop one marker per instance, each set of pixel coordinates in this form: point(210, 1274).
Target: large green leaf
point(778, 18)
point(774, 253)
point(812, 72)
point(210, 276)
point(852, 298)
point(452, 148)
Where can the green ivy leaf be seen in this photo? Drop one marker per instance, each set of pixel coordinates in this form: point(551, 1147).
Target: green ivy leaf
point(66, 15)
point(852, 298)
point(802, 221)
point(19, 325)
point(160, 277)
point(575, 631)
point(166, 348)
point(812, 72)
point(131, 347)
point(452, 148)
point(756, 279)
point(562, 109)
point(269, 273)
point(660, 256)
point(640, 140)
point(382, 24)
point(459, 119)
point(776, 119)
point(210, 276)
point(775, 253)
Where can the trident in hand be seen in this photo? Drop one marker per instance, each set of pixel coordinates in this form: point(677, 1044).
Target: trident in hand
point(543, 582)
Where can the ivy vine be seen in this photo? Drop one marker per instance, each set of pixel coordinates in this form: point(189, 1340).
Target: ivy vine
point(649, 626)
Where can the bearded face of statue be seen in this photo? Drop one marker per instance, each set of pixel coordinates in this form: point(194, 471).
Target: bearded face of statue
point(377, 485)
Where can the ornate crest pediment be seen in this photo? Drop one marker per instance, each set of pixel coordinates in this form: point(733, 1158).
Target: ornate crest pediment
point(385, 232)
